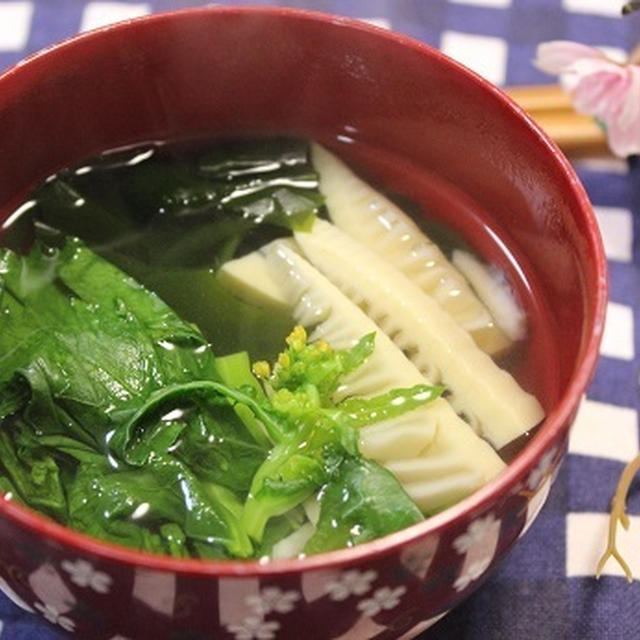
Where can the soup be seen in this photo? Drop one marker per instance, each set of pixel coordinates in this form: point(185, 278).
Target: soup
point(241, 349)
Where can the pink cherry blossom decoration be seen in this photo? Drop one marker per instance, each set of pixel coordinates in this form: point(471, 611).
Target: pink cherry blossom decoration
point(600, 87)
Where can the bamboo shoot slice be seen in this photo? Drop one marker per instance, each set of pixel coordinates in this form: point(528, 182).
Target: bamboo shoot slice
point(493, 289)
point(248, 278)
point(293, 545)
point(365, 214)
point(434, 478)
point(444, 352)
point(321, 307)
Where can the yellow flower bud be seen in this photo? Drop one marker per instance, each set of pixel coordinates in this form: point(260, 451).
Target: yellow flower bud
point(322, 346)
point(297, 338)
point(261, 369)
point(284, 360)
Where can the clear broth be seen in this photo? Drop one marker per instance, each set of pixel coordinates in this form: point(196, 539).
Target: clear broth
point(447, 215)
point(189, 283)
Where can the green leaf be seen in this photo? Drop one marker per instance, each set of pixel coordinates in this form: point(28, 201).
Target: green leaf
point(13, 396)
point(363, 411)
point(70, 447)
point(8, 491)
point(292, 479)
point(296, 468)
point(125, 505)
point(361, 503)
point(34, 474)
point(218, 394)
point(174, 539)
point(235, 371)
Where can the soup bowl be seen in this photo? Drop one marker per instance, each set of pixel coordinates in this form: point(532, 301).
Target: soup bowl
point(353, 87)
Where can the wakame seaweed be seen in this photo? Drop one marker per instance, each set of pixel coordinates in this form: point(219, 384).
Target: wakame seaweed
point(171, 214)
point(174, 207)
point(118, 420)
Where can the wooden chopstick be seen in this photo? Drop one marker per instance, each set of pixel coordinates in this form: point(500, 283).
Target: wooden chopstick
point(538, 98)
point(575, 133)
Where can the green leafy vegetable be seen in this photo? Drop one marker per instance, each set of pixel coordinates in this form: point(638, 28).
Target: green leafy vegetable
point(363, 503)
point(116, 417)
point(98, 353)
point(33, 473)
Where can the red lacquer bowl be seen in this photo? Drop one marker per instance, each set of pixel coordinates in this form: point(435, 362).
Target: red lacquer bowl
point(356, 88)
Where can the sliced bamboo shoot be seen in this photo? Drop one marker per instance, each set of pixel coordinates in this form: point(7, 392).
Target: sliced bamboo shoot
point(321, 307)
point(375, 221)
point(293, 545)
point(248, 278)
point(443, 352)
point(435, 476)
point(494, 291)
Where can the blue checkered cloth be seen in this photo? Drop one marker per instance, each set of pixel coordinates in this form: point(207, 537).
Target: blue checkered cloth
point(545, 589)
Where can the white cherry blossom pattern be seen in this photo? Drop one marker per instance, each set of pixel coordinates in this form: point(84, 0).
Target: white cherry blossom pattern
point(477, 531)
point(418, 558)
point(542, 470)
point(254, 628)
point(272, 599)
point(83, 574)
point(478, 545)
point(55, 617)
point(384, 598)
point(472, 572)
point(350, 583)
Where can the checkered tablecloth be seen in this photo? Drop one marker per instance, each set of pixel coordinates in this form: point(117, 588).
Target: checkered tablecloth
point(545, 589)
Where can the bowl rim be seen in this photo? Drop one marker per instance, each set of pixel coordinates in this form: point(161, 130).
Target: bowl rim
point(554, 425)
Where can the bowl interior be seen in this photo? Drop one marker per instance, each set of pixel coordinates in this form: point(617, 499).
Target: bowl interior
point(394, 107)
